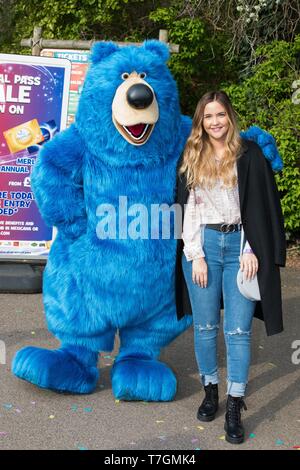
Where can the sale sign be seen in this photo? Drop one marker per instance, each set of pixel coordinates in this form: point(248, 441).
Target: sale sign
point(33, 108)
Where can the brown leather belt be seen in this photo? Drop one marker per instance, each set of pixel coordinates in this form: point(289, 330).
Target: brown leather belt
point(225, 228)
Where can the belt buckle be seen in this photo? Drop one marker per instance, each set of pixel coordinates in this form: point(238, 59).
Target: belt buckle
point(228, 228)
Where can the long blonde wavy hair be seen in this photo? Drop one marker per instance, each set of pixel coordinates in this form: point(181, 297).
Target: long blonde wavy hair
point(198, 163)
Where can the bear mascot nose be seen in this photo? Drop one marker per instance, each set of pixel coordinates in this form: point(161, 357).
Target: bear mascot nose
point(139, 96)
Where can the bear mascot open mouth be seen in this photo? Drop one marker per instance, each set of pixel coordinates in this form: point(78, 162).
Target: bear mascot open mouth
point(135, 109)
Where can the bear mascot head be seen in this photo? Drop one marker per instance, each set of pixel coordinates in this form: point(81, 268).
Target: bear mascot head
point(129, 105)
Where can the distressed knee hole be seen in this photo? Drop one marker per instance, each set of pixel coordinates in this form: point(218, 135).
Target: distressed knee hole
point(238, 331)
point(207, 327)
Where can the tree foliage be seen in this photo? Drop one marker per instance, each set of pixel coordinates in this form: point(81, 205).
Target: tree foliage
point(248, 47)
point(248, 23)
point(82, 19)
point(6, 21)
point(268, 99)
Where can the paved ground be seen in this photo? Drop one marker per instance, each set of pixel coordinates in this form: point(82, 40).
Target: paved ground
point(31, 418)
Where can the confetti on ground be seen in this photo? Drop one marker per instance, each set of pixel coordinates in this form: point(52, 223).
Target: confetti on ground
point(260, 347)
point(7, 406)
point(185, 428)
point(82, 448)
point(162, 437)
point(222, 438)
point(296, 447)
point(159, 421)
point(194, 440)
point(132, 443)
point(200, 428)
point(117, 401)
point(271, 364)
point(197, 448)
point(2, 433)
point(33, 402)
point(33, 332)
point(74, 408)
point(89, 409)
point(252, 436)
point(279, 442)
point(18, 411)
point(51, 416)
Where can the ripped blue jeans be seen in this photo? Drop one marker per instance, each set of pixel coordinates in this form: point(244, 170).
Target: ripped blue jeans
point(222, 257)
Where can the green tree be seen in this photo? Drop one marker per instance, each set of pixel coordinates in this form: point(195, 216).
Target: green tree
point(80, 19)
point(218, 42)
point(6, 21)
point(200, 64)
point(266, 99)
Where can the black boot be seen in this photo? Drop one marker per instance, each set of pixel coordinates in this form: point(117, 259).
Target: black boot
point(210, 404)
point(233, 426)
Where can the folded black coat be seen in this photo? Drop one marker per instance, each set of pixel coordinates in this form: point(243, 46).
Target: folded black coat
point(263, 224)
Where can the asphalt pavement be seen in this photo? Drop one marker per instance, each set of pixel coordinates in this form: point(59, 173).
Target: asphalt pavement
point(32, 418)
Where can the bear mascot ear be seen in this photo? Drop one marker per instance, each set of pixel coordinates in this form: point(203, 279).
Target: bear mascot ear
point(158, 48)
point(102, 49)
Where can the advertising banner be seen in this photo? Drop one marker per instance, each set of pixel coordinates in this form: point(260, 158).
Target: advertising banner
point(33, 107)
point(80, 63)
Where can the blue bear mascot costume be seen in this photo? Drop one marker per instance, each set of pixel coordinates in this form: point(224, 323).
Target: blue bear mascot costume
point(122, 151)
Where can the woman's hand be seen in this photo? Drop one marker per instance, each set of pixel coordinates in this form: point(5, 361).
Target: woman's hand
point(249, 265)
point(199, 272)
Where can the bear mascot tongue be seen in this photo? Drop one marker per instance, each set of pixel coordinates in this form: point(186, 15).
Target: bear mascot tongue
point(137, 130)
point(108, 184)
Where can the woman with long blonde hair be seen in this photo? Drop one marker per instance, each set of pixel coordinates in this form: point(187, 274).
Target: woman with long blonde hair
point(229, 187)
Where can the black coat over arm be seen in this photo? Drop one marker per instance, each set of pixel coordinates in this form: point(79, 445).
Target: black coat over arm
point(263, 224)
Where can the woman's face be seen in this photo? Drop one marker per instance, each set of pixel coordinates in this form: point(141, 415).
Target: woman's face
point(215, 120)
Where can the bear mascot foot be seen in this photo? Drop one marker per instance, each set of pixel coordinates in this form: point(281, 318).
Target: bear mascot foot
point(142, 378)
point(69, 369)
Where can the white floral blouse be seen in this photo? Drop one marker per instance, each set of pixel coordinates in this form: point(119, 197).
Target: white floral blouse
point(209, 206)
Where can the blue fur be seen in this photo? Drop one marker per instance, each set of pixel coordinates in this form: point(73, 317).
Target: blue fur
point(130, 379)
point(268, 145)
point(95, 288)
point(69, 369)
point(159, 48)
point(100, 50)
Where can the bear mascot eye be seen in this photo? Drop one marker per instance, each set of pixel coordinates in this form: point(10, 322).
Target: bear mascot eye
point(124, 76)
point(143, 75)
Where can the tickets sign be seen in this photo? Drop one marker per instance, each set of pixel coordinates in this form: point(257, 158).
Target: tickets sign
point(80, 64)
point(33, 107)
